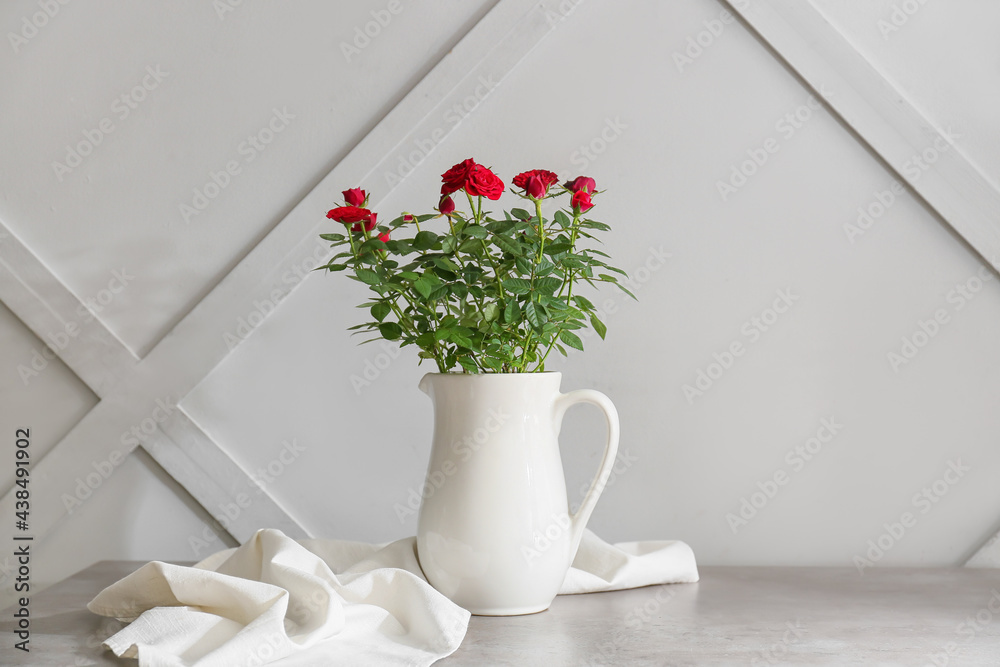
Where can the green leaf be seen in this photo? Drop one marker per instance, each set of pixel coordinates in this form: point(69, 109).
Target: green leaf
point(557, 248)
point(508, 245)
point(423, 286)
point(426, 340)
point(373, 244)
point(367, 276)
point(571, 339)
point(544, 268)
point(334, 267)
point(446, 263)
point(448, 244)
point(598, 326)
point(468, 364)
point(548, 285)
point(523, 265)
point(475, 231)
point(492, 362)
point(332, 237)
point(491, 312)
point(512, 313)
point(409, 275)
point(380, 310)
point(535, 314)
point(517, 285)
point(390, 330)
point(584, 302)
point(425, 240)
point(520, 213)
point(563, 219)
point(438, 292)
point(459, 290)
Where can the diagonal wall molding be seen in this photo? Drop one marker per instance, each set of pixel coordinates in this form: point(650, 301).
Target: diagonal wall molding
point(133, 392)
point(884, 118)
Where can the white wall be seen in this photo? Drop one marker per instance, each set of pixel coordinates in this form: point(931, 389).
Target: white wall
point(669, 137)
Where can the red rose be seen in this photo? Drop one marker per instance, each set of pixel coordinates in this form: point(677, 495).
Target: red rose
point(581, 201)
point(349, 214)
point(454, 179)
point(447, 205)
point(369, 223)
point(483, 183)
point(536, 182)
point(383, 237)
point(583, 183)
point(355, 197)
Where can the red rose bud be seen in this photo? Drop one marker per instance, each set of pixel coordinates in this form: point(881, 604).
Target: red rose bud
point(349, 214)
point(447, 205)
point(581, 201)
point(355, 197)
point(483, 183)
point(536, 182)
point(408, 218)
point(454, 179)
point(583, 183)
point(383, 237)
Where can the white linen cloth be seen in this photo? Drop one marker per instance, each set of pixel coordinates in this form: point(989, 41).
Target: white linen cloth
point(329, 602)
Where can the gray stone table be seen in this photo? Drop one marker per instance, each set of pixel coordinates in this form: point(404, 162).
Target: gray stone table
point(734, 616)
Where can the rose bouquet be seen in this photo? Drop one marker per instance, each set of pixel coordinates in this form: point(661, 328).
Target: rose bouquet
point(479, 293)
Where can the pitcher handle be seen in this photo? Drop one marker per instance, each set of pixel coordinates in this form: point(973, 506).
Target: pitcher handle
point(578, 521)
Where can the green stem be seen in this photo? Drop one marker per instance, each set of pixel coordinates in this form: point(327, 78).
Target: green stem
point(569, 293)
point(541, 229)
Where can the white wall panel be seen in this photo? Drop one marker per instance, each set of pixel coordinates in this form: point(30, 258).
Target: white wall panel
point(219, 82)
point(783, 229)
point(338, 435)
point(942, 55)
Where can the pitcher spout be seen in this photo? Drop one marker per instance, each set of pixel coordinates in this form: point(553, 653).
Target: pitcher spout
point(425, 384)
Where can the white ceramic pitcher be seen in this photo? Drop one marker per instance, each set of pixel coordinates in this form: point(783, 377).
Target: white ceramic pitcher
point(494, 532)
